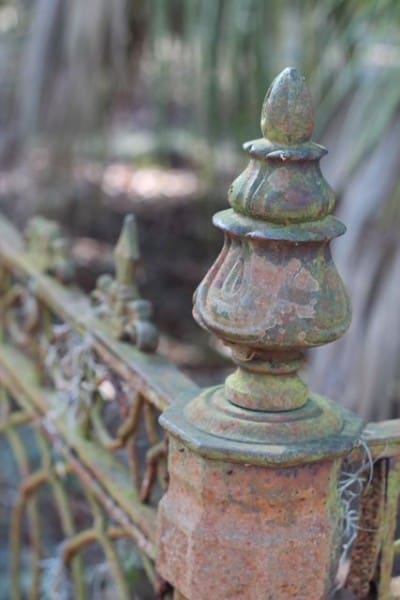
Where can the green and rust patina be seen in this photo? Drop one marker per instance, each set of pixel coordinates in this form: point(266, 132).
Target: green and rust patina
point(254, 500)
point(58, 350)
point(254, 463)
point(118, 300)
point(49, 248)
point(273, 293)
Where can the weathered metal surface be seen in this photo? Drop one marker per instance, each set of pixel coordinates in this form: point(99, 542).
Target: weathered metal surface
point(274, 290)
point(255, 507)
point(49, 248)
point(389, 526)
point(90, 513)
point(18, 376)
point(253, 503)
point(372, 566)
point(118, 300)
point(215, 429)
point(272, 293)
point(94, 399)
point(150, 374)
point(368, 544)
point(383, 438)
point(237, 531)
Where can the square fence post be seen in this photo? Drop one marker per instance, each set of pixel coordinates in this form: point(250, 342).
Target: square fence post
point(253, 509)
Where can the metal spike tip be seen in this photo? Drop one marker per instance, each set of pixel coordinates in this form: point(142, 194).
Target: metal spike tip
point(126, 253)
point(287, 114)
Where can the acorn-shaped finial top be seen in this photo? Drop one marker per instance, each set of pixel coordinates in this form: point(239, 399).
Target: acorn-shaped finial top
point(287, 115)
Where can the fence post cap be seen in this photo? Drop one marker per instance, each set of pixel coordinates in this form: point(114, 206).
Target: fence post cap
point(287, 114)
point(272, 293)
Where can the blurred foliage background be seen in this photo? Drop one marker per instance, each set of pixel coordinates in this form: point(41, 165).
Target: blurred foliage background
point(142, 105)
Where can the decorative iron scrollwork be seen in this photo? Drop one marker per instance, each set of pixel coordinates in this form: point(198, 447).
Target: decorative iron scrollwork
point(73, 369)
point(20, 315)
point(49, 248)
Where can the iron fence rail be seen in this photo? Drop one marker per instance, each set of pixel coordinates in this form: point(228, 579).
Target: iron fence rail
point(93, 400)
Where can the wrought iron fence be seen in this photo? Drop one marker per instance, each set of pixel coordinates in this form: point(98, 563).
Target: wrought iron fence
point(79, 410)
point(82, 388)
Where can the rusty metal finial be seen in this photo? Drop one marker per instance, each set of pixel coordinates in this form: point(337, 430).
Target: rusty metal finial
point(118, 300)
point(274, 290)
point(257, 459)
point(282, 183)
point(126, 253)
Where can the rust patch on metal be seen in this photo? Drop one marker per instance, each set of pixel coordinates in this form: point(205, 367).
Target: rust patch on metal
point(241, 531)
point(366, 549)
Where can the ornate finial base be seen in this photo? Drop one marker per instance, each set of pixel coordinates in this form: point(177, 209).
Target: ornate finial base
point(265, 392)
point(213, 413)
point(266, 381)
point(215, 427)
